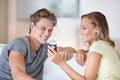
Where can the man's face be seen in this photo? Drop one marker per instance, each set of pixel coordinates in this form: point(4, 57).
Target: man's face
point(42, 30)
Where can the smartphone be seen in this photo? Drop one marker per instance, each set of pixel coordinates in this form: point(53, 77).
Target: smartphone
point(53, 44)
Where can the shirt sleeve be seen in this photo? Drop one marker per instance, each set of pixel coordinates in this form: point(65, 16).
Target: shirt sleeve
point(18, 45)
point(98, 47)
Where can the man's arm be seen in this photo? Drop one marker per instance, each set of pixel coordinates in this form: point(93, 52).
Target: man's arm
point(17, 65)
point(71, 49)
point(66, 52)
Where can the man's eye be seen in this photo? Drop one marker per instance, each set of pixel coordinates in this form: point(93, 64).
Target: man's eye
point(51, 30)
point(42, 28)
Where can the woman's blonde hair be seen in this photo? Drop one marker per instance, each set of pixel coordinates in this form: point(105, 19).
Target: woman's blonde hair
point(98, 19)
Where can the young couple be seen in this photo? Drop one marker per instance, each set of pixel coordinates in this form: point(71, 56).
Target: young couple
point(23, 58)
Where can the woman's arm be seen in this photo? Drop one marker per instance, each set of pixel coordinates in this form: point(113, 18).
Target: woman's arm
point(57, 59)
point(93, 65)
point(81, 56)
point(17, 65)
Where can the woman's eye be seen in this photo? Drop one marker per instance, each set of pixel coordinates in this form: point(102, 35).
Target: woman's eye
point(83, 27)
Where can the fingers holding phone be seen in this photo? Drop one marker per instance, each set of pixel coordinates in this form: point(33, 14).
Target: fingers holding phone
point(54, 56)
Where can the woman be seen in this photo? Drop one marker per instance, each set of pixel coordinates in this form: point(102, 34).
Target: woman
point(103, 61)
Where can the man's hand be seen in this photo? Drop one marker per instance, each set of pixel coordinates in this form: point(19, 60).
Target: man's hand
point(67, 52)
point(81, 57)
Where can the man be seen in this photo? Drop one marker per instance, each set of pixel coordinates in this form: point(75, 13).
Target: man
point(23, 58)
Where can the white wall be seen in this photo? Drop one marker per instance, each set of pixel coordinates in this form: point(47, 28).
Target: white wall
point(68, 29)
point(111, 9)
point(66, 32)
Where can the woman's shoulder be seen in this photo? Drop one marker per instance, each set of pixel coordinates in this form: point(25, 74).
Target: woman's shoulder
point(100, 43)
point(100, 46)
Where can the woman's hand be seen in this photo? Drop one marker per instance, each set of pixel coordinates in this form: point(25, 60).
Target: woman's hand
point(55, 56)
point(81, 57)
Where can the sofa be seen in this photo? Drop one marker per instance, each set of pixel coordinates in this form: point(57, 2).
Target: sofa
point(52, 72)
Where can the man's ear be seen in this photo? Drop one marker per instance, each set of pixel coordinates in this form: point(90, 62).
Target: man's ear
point(31, 25)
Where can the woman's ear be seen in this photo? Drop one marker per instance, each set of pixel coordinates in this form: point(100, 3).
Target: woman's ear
point(97, 29)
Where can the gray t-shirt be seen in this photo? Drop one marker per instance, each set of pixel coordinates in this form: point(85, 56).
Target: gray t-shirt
point(34, 62)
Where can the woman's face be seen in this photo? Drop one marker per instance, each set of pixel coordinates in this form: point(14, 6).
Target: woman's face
point(87, 30)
